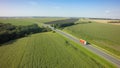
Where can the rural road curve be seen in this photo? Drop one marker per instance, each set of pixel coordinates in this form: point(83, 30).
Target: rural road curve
point(89, 47)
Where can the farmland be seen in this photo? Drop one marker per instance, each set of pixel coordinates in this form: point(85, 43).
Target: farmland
point(106, 21)
point(100, 34)
point(27, 21)
point(48, 50)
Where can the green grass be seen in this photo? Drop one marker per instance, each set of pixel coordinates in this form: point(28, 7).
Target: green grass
point(27, 21)
point(103, 35)
point(48, 50)
point(17, 21)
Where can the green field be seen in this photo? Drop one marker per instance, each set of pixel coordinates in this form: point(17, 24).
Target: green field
point(27, 21)
point(48, 50)
point(103, 35)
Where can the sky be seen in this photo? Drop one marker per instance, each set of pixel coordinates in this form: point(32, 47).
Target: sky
point(61, 8)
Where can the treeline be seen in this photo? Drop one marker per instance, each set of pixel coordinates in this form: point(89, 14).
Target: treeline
point(71, 20)
point(62, 25)
point(10, 32)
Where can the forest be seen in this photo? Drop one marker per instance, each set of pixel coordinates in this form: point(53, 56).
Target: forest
point(10, 32)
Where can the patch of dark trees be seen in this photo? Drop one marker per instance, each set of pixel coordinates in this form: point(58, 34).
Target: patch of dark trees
point(63, 23)
point(71, 20)
point(66, 24)
point(10, 32)
point(61, 26)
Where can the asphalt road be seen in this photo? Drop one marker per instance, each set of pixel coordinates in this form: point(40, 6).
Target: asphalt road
point(90, 47)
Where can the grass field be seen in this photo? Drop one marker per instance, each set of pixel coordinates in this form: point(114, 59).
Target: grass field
point(103, 35)
point(48, 50)
point(28, 21)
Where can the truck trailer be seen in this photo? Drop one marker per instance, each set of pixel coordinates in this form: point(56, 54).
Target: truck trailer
point(83, 42)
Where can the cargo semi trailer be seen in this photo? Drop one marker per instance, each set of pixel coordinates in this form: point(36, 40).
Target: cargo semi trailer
point(84, 42)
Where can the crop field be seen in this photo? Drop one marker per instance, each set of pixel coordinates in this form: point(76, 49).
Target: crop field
point(103, 35)
point(106, 21)
point(28, 21)
point(45, 20)
point(48, 50)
